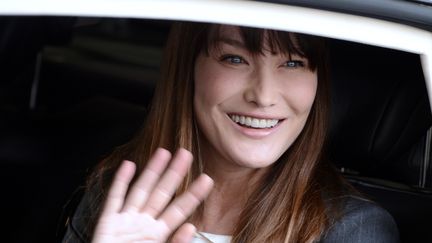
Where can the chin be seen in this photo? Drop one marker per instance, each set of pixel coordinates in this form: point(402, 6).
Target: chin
point(257, 160)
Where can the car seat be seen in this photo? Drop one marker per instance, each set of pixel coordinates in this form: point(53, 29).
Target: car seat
point(379, 130)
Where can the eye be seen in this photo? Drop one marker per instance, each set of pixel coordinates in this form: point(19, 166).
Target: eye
point(294, 64)
point(233, 59)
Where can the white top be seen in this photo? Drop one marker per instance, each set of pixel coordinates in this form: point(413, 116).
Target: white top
point(212, 237)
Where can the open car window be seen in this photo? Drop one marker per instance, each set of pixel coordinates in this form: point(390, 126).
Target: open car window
point(78, 78)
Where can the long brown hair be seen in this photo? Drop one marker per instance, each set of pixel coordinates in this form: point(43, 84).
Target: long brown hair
point(289, 204)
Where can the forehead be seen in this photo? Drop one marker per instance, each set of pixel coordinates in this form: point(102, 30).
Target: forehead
point(259, 41)
point(252, 39)
point(229, 32)
point(255, 40)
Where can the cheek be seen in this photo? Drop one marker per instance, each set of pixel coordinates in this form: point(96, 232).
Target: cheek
point(301, 91)
point(212, 85)
point(205, 79)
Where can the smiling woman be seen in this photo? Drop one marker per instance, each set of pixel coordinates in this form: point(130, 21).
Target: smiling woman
point(250, 102)
point(251, 106)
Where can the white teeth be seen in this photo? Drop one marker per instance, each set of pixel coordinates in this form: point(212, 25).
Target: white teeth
point(248, 121)
point(254, 122)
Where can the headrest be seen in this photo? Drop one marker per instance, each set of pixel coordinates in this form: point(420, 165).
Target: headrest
point(380, 111)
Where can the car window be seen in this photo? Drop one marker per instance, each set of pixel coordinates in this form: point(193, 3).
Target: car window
point(75, 87)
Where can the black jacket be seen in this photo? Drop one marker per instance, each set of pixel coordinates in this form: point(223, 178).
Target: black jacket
point(362, 222)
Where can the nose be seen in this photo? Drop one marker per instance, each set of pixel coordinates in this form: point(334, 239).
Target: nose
point(262, 89)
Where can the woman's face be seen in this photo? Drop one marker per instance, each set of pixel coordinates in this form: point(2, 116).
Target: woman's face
point(250, 108)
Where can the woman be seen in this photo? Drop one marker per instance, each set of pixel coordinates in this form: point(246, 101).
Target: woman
point(251, 107)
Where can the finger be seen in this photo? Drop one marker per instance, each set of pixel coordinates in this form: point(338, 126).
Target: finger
point(142, 188)
point(119, 187)
point(184, 205)
point(184, 234)
point(164, 190)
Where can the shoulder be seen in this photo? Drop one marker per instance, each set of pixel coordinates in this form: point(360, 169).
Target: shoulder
point(362, 221)
point(76, 228)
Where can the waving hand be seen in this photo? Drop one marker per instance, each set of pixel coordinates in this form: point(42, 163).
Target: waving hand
point(144, 213)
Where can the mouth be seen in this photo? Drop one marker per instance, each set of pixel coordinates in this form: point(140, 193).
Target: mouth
point(254, 122)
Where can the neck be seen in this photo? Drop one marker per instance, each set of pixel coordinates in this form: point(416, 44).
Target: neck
point(233, 186)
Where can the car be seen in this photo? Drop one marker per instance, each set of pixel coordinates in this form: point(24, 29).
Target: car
point(77, 77)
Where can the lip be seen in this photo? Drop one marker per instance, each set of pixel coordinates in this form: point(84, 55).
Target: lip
point(255, 133)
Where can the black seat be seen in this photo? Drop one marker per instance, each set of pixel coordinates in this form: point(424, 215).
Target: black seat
point(380, 119)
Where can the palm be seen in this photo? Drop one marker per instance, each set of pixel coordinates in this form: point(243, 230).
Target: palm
point(131, 227)
point(145, 215)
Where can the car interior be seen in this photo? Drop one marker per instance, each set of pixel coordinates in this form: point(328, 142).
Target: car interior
point(74, 88)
